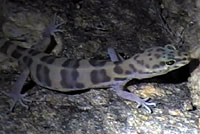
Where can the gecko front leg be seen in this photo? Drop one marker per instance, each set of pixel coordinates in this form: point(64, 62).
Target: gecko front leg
point(115, 57)
point(132, 97)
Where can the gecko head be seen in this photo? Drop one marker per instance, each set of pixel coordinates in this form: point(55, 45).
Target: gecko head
point(161, 60)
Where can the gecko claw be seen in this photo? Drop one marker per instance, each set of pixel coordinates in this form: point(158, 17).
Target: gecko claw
point(146, 104)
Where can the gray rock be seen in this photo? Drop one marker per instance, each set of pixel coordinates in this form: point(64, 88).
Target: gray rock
point(91, 27)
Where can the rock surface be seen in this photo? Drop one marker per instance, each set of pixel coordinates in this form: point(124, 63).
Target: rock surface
point(91, 27)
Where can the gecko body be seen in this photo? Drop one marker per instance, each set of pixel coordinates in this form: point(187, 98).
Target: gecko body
point(61, 74)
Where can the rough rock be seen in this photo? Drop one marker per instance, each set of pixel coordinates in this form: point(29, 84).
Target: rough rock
point(91, 27)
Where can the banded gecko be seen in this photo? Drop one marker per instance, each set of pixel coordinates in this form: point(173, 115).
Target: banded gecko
point(65, 75)
point(61, 74)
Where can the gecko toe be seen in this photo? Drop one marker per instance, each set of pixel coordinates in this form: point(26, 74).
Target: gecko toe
point(145, 103)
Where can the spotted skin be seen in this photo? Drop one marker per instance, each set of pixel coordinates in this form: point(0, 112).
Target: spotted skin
point(33, 52)
point(117, 69)
point(71, 63)
point(99, 76)
point(48, 59)
point(61, 74)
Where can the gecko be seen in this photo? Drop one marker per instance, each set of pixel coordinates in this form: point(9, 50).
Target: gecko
point(65, 75)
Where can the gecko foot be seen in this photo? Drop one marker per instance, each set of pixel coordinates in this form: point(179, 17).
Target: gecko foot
point(17, 97)
point(53, 27)
point(145, 103)
point(132, 97)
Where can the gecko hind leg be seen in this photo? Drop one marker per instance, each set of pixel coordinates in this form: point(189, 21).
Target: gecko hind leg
point(15, 93)
point(53, 27)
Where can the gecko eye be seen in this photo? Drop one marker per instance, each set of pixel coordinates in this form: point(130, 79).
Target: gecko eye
point(171, 62)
